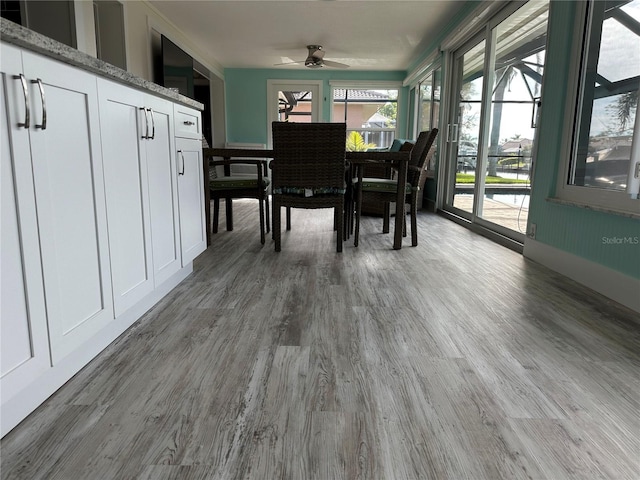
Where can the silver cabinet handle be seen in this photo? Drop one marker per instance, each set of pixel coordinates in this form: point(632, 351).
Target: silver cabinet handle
point(181, 156)
point(189, 122)
point(43, 125)
point(153, 124)
point(146, 122)
point(25, 92)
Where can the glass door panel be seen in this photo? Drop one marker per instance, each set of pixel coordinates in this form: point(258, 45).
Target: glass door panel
point(520, 42)
point(496, 95)
point(465, 132)
point(293, 101)
point(295, 106)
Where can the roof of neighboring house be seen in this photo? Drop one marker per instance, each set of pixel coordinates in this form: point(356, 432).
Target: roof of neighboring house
point(514, 145)
point(373, 96)
point(620, 152)
point(361, 95)
point(379, 118)
point(604, 142)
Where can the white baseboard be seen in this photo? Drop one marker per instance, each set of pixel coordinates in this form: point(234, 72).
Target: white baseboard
point(27, 400)
point(612, 284)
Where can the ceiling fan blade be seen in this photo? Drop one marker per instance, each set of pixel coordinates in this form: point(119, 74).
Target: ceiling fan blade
point(330, 63)
point(288, 63)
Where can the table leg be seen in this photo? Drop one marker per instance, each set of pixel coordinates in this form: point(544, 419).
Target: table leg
point(400, 214)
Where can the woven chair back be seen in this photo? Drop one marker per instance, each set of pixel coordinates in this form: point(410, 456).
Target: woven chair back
point(309, 155)
point(419, 155)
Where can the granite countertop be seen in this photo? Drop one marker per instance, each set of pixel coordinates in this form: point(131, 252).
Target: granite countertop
point(23, 37)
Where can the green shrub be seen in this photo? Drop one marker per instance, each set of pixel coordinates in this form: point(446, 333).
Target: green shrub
point(355, 143)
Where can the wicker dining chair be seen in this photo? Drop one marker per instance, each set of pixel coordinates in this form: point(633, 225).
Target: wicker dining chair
point(308, 171)
point(229, 187)
point(384, 191)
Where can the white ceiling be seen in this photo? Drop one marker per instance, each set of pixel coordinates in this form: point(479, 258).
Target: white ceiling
point(365, 34)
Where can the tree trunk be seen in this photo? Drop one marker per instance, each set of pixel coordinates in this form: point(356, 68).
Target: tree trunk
point(496, 120)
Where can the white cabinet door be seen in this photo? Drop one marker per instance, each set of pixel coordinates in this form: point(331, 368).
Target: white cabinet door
point(191, 198)
point(23, 327)
point(163, 190)
point(123, 126)
point(69, 188)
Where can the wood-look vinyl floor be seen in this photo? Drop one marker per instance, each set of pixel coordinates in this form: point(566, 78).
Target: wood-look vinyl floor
point(457, 359)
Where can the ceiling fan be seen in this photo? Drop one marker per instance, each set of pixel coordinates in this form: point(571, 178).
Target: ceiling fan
point(315, 59)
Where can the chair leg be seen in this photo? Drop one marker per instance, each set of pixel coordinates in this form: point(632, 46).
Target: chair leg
point(386, 217)
point(414, 220)
point(339, 218)
point(276, 224)
point(288, 218)
point(228, 203)
point(216, 215)
point(260, 207)
point(266, 211)
point(404, 222)
point(356, 235)
point(346, 219)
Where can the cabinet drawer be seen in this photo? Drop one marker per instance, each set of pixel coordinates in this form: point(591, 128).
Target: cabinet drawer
point(188, 122)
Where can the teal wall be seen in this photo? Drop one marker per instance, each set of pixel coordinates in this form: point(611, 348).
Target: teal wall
point(246, 97)
point(577, 230)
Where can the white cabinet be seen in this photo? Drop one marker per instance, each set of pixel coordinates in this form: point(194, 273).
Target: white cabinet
point(64, 150)
point(188, 122)
point(163, 191)
point(193, 233)
point(141, 191)
point(125, 179)
point(23, 329)
point(98, 223)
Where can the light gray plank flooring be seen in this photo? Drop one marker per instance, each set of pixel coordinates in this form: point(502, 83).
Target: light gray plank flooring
point(457, 359)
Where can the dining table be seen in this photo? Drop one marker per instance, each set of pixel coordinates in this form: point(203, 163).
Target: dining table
point(398, 160)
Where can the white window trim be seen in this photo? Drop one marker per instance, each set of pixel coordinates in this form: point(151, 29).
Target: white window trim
point(366, 84)
point(418, 74)
point(417, 98)
point(610, 201)
point(273, 85)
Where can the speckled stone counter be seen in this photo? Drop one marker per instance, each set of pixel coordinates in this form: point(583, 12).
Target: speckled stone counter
point(23, 37)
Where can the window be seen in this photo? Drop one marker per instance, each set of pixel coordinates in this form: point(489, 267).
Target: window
point(429, 106)
point(429, 101)
point(371, 112)
point(605, 110)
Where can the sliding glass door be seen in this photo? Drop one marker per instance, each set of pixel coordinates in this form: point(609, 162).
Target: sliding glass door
point(497, 80)
point(464, 132)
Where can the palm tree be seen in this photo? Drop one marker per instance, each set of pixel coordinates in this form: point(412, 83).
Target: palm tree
point(355, 143)
point(504, 75)
point(623, 108)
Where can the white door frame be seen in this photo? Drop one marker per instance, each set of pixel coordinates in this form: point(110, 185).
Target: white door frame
point(274, 86)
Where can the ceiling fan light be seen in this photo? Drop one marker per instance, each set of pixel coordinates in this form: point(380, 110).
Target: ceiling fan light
point(314, 63)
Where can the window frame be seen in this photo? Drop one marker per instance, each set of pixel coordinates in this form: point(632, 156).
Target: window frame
point(613, 201)
point(368, 85)
point(434, 120)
